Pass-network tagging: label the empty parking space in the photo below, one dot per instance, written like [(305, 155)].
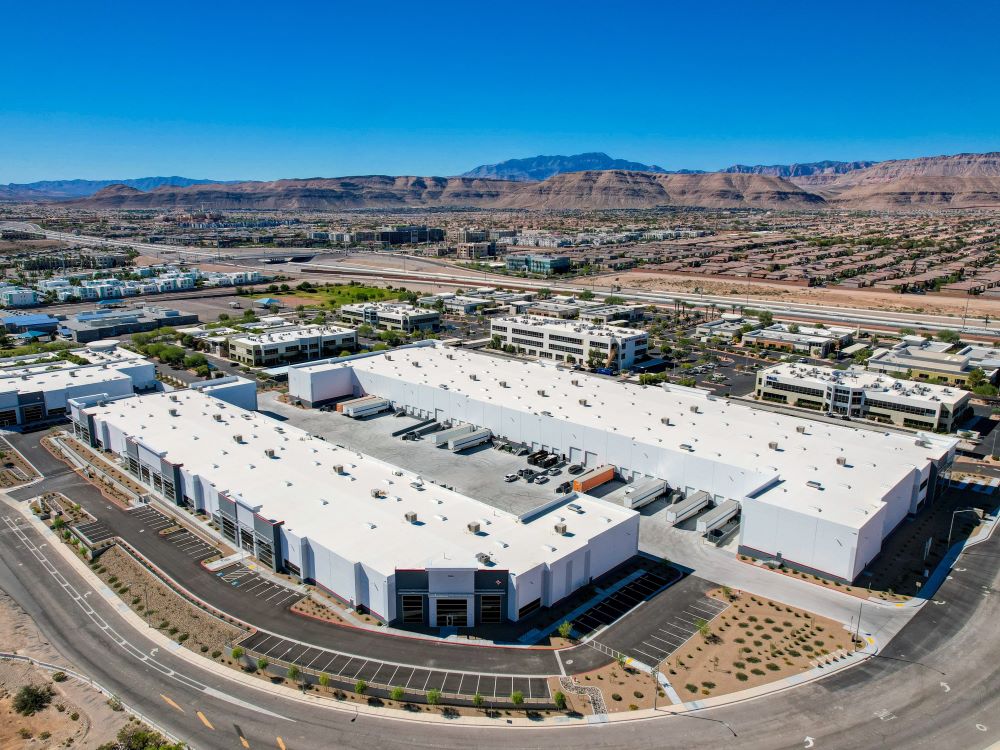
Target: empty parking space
[(376, 672), (188, 545), (618, 603), (93, 532), (662, 641), (152, 519), (259, 588)]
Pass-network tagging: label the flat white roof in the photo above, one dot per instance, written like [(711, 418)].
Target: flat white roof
[(54, 380), (872, 382), (728, 432), (558, 325), (290, 335), (298, 486)]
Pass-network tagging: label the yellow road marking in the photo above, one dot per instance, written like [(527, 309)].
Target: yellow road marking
[(205, 721), (171, 703), (281, 744)]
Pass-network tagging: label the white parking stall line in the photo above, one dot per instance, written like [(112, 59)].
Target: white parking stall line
[(393, 675), (675, 630), (276, 593), (661, 640), (650, 656), (321, 653)]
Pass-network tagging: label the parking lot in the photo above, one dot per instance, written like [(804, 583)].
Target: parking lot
[(191, 546), (654, 631), (267, 593), (621, 601), (152, 519), (93, 532), (478, 473), (375, 672)]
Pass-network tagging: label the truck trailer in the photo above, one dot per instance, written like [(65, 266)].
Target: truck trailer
[(593, 478), (444, 436), (718, 516), (367, 408), (688, 507), (470, 440), (644, 492)]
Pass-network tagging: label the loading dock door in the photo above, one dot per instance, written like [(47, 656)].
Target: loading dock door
[(575, 455), (590, 459)]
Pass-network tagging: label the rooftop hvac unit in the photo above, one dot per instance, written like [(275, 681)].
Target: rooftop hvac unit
[(574, 382), (687, 447), (541, 391), (376, 492), (483, 558), (269, 452), (694, 409), (338, 469), (801, 429), (503, 383), (450, 356), (173, 412), (583, 402), (388, 357), (666, 421), (841, 461), (772, 445), (575, 508), (237, 438), (473, 376), (560, 529), (473, 527), (410, 516), (173, 397), (814, 484), (415, 364)]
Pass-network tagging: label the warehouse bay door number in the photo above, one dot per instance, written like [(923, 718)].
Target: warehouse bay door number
[(452, 612)]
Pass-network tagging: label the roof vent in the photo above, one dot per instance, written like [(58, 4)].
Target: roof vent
[(483, 558), (582, 402), (560, 529), (388, 357), (695, 409), (218, 417), (410, 516), (503, 383), (687, 447), (801, 429), (473, 376), (376, 492), (773, 445), (338, 469), (237, 438), (473, 527), (814, 484), (574, 382), (841, 460), (173, 412), (269, 452), (541, 391), (666, 421)]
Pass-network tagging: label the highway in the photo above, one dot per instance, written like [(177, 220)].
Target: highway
[(935, 686), (448, 275)]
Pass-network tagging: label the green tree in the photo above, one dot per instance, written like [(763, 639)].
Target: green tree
[(238, 653), (31, 699), (950, 337), (517, 698), (478, 700), (324, 680), (585, 295), (433, 697), (294, 673), (565, 629), (360, 687), (559, 698), (262, 664), (397, 694)]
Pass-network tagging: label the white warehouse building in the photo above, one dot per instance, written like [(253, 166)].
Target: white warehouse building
[(820, 497), (375, 536)]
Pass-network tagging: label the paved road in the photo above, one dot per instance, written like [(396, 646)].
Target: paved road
[(896, 702)]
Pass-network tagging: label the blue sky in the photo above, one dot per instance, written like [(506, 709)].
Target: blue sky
[(266, 90)]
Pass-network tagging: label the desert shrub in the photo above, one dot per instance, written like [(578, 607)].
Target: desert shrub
[(741, 677), (31, 699)]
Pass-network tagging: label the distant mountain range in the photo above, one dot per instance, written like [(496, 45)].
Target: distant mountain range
[(68, 189), (937, 182), (542, 167)]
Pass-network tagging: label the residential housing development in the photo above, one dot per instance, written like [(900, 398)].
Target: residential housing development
[(820, 497), (375, 536), (569, 340), (857, 392)]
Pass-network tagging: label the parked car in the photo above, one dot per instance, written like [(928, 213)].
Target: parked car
[(541, 479), (510, 478), (575, 469), (554, 471)]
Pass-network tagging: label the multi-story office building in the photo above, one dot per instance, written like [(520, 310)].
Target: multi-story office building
[(15, 296), (543, 264), (391, 316), (475, 250), (814, 341), (375, 536), (929, 361), (284, 346), (572, 341), (458, 304), (856, 392)]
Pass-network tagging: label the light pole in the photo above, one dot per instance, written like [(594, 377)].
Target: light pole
[(951, 525)]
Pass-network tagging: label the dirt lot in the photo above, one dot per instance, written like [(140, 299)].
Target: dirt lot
[(94, 724)]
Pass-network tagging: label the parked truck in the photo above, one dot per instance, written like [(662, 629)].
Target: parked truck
[(644, 492), (470, 440), (444, 436), (367, 408), (593, 478), (688, 507), (718, 516)]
